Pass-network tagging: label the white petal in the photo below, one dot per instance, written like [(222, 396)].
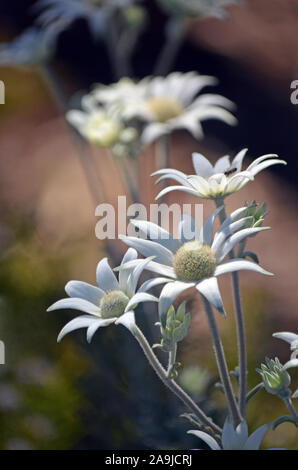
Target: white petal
[(148, 248), (290, 364), (202, 165), (209, 289), (231, 218), (187, 229), (134, 276), (222, 164), (227, 433), (130, 255), (190, 122), (147, 285), (85, 291), (83, 321), (105, 277), (168, 294), (206, 232), (214, 112), (240, 436), (75, 304), (238, 159), (236, 182), (167, 190), (209, 440), (157, 234), (76, 118), (171, 174), (255, 439), (153, 131), (151, 266), (286, 336), (138, 298), (222, 234), (236, 238), (256, 169), (261, 159), (239, 264), (100, 323), (127, 320), (199, 184)]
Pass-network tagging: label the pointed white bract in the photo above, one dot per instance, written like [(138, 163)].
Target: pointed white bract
[(213, 182), (196, 258), (163, 104), (234, 439), (111, 301)]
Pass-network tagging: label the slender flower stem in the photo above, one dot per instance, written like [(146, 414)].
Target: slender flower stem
[(289, 404), (171, 384), (162, 152), (241, 341), (54, 85), (221, 363), (175, 37), (128, 179), (162, 156), (172, 359)]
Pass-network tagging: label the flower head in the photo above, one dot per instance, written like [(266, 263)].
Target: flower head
[(164, 104), (218, 181), (102, 128), (175, 329), (111, 301), (275, 378), (197, 8), (33, 47), (234, 439), (195, 258)]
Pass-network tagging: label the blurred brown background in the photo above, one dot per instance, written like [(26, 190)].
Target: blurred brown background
[(74, 396)]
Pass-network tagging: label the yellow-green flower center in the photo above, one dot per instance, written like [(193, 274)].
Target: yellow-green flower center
[(113, 304), (164, 109), (194, 262), (101, 130)]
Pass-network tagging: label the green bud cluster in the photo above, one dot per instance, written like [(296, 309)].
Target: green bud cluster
[(175, 329), (257, 214), (276, 380)]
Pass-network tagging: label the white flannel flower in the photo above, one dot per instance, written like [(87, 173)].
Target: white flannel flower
[(235, 439), (32, 47), (57, 15), (218, 181), (99, 126), (197, 8), (112, 301), (195, 258), (122, 97), (164, 104)]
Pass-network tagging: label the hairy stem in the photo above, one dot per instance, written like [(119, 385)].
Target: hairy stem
[(241, 341), (171, 384), (221, 363), (172, 359), (289, 404), (175, 36)]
